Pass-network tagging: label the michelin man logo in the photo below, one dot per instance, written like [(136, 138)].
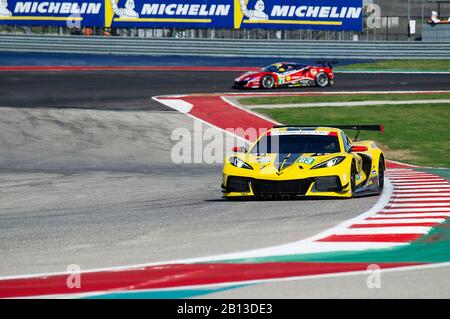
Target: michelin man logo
[(256, 14), (126, 13), (4, 12)]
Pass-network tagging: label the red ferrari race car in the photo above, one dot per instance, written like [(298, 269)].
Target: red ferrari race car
[(286, 74)]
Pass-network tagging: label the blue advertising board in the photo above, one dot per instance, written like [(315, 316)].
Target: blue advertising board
[(68, 13), (240, 14), (299, 14), (237, 14), (172, 13)]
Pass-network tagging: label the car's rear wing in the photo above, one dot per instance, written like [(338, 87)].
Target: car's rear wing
[(326, 63), (358, 128), (378, 128)]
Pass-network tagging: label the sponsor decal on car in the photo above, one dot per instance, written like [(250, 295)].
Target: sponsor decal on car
[(306, 160)]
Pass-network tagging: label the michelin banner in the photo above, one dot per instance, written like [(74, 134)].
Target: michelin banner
[(299, 14), (173, 13), (237, 14), (68, 13)]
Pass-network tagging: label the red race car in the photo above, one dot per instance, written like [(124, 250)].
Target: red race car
[(286, 74)]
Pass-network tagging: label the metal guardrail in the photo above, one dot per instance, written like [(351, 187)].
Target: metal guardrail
[(226, 47)]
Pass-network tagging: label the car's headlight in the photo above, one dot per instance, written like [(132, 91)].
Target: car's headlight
[(236, 161), (246, 79), (330, 163)]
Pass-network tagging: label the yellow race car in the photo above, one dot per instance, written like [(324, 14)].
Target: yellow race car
[(313, 160)]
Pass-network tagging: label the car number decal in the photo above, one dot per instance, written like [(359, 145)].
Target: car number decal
[(263, 160), (306, 160)]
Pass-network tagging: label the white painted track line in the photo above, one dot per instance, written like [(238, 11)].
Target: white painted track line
[(437, 190), (412, 215), (402, 220), (417, 200), (417, 179), (384, 230), (425, 196), (411, 175), (415, 205), (440, 187), (348, 104), (424, 210), (423, 184)]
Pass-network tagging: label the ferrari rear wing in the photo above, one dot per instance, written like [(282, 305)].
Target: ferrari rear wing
[(326, 63), (378, 128)]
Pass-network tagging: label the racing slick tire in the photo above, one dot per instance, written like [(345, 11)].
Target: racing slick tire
[(381, 176), (267, 82), (353, 179), (322, 80)]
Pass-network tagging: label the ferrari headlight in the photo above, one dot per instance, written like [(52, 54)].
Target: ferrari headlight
[(236, 161), (330, 163)]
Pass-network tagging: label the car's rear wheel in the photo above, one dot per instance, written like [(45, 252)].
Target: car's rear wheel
[(268, 82), (380, 176), (353, 179), (322, 79)]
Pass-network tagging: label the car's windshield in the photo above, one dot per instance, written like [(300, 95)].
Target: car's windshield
[(271, 68), (288, 67), (285, 144)]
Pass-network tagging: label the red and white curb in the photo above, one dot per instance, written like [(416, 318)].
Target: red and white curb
[(407, 216)]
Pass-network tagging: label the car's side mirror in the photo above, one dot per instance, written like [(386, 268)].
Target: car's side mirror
[(358, 148), (239, 149)]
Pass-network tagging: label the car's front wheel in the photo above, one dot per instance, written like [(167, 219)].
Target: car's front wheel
[(268, 82), (322, 79)]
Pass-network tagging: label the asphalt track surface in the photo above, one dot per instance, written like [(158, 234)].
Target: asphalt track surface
[(86, 178), (131, 90)]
